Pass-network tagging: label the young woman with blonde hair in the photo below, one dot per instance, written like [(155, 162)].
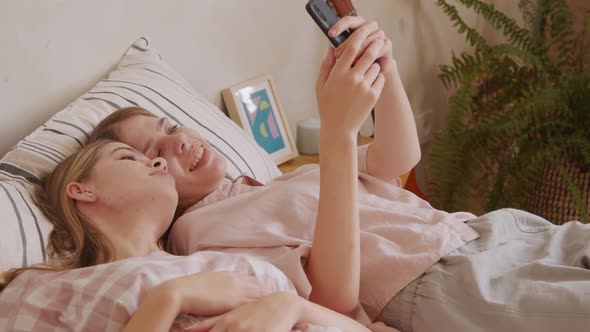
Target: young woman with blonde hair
[(110, 207)]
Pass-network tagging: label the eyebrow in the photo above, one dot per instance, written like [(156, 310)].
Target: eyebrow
[(124, 148), (150, 140)]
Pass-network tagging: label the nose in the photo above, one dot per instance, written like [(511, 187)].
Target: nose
[(158, 163), (175, 143)]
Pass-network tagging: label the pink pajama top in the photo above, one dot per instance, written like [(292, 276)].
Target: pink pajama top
[(401, 235)]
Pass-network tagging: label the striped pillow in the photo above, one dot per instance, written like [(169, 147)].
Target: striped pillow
[(143, 79)]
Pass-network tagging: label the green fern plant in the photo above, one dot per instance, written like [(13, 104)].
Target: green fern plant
[(517, 107)]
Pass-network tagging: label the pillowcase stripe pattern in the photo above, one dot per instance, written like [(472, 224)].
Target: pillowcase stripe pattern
[(150, 103), (185, 117), (142, 79), (270, 172), (161, 70), (27, 224)]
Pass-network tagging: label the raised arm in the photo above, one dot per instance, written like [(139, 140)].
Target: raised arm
[(396, 148), (346, 94)]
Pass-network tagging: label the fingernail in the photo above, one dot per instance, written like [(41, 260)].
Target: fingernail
[(332, 33)]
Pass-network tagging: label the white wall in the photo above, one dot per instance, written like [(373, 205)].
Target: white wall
[(54, 50)]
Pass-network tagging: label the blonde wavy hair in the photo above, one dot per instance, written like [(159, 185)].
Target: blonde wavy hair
[(74, 241)]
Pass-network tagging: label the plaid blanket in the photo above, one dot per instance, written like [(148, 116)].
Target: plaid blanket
[(104, 297)]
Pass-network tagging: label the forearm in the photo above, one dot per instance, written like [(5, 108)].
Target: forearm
[(396, 148), (156, 312), (333, 267), (311, 313)]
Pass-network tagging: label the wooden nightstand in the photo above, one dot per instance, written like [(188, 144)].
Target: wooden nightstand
[(304, 159)]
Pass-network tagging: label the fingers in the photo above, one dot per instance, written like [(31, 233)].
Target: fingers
[(372, 73), (257, 291), (369, 57), (355, 41), (372, 29), (377, 86), (347, 22), (254, 289), (374, 35), (204, 325), (326, 67)]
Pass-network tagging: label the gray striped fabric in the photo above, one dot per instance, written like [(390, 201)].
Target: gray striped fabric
[(143, 79)]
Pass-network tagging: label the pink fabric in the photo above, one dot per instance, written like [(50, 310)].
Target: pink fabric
[(401, 234), (104, 297)]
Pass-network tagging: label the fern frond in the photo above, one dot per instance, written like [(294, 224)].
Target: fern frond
[(533, 19), (564, 41), (523, 113), (574, 192), (462, 67), (472, 36), (529, 12), (471, 65), (517, 177), (446, 156), (516, 35), (461, 105), (449, 156)]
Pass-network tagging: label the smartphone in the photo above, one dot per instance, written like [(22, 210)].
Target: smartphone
[(325, 18)]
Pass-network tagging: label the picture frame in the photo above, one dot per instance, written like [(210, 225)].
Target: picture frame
[(254, 105)]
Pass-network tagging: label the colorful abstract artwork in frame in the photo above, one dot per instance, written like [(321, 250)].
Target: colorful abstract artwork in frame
[(255, 107), (261, 119)]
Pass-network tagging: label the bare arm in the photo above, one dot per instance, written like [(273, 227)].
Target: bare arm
[(311, 313), (396, 148), (278, 312), (346, 94), (334, 262), (205, 293), (156, 313)]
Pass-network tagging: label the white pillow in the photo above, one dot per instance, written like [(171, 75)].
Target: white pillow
[(142, 78)]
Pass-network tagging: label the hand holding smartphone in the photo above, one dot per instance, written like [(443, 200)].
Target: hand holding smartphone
[(325, 18)]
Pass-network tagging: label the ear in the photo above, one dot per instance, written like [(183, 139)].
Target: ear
[(78, 191)]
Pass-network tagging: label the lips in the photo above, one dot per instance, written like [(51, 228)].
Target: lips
[(160, 172), (198, 159)]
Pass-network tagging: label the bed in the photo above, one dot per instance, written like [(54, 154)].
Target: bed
[(138, 75), (141, 78)]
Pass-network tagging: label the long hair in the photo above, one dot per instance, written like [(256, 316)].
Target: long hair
[(107, 128), (74, 241)]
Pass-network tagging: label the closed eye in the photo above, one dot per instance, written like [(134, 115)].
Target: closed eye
[(172, 129)]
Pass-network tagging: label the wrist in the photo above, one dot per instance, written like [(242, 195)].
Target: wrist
[(297, 305), (335, 136), (292, 306), (166, 295), (390, 70)]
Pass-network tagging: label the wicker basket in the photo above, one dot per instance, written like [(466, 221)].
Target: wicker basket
[(551, 198)]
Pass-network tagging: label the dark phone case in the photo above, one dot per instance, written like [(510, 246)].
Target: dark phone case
[(325, 18)]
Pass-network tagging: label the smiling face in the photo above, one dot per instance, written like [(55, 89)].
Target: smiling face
[(197, 168)]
